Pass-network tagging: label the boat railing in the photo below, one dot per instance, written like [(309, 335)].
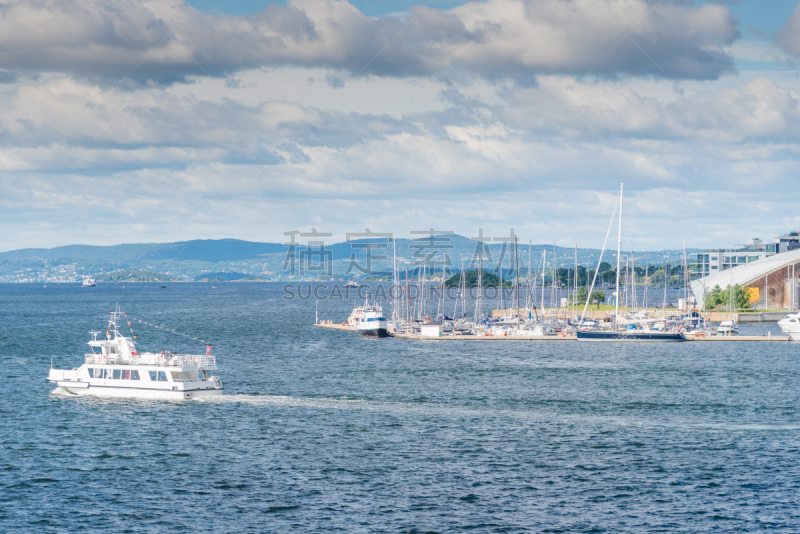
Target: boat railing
[(157, 359)]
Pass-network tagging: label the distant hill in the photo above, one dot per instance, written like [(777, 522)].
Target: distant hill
[(235, 259), (210, 250), (220, 277)]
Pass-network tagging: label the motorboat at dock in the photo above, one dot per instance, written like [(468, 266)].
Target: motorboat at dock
[(370, 321), (791, 325), (114, 368)]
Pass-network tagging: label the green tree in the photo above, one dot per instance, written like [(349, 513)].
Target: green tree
[(580, 298), (741, 297), (487, 280), (718, 297), (598, 297), (713, 298)]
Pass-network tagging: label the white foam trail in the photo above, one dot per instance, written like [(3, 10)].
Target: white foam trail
[(287, 400)]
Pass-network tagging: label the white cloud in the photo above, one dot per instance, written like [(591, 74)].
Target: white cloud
[(497, 38)]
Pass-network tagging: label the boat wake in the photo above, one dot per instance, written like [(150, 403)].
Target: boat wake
[(61, 392), (320, 402)]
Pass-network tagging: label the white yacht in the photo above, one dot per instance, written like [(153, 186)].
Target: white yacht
[(728, 327), (351, 283), (114, 368), (89, 282), (372, 322), (791, 325)]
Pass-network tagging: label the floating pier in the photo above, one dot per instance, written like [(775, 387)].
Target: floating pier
[(571, 337), (739, 338), (336, 326)]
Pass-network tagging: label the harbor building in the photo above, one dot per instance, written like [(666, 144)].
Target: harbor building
[(712, 261), (772, 279)]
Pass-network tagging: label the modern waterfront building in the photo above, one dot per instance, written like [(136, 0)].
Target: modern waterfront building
[(713, 261), (773, 279)]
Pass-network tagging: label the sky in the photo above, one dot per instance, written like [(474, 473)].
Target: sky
[(156, 121)]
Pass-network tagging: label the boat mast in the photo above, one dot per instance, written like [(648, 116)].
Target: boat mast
[(408, 300), (686, 278), (575, 292), (528, 279), (478, 306), (553, 301), (634, 299), (394, 279), (544, 266), (664, 303), (569, 285), (619, 252), (516, 269), (730, 290), (502, 305)]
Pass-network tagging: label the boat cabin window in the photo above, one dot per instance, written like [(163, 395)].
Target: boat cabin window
[(126, 374), (97, 350), (153, 376), (117, 374), (185, 375), (162, 376), (134, 375), (91, 372)]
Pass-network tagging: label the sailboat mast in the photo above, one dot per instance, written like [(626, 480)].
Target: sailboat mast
[(516, 270), (553, 301), (619, 253), (394, 280), (575, 292), (635, 298), (502, 304), (544, 266), (664, 304)]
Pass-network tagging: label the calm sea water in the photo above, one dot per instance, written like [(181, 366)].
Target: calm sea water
[(321, 431)]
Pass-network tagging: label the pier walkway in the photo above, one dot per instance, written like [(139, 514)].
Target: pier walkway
[(731, 339)]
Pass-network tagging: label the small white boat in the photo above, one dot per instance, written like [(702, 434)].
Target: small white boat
[(728, 327), (791, 325), (115, 369), (88, 281), (351, 283)]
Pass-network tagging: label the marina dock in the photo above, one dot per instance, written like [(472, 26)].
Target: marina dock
[(719, 339), (336, 326), (740, 338)]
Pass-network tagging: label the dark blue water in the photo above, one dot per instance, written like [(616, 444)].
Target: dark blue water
[(321, 431)]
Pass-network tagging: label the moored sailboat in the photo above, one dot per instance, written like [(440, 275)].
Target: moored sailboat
[(634, 330)]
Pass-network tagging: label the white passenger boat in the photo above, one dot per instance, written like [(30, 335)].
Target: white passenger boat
[(114, 368), (372, 322), (89, 282)]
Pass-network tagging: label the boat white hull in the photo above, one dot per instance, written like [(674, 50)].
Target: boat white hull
[(84, 389)]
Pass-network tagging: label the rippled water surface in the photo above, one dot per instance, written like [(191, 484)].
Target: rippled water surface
[(321, 431)]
